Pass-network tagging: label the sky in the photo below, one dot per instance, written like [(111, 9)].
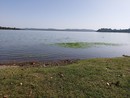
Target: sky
[(75, 14)]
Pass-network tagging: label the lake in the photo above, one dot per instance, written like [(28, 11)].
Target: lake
[(29, 45)]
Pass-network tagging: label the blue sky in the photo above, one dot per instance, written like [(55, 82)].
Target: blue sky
[(89, 14)]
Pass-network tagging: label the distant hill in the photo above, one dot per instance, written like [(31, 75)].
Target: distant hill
[(113, 30), (52, 29)]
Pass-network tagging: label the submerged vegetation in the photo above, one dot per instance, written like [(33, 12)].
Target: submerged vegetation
[(84, 44), (93, 78)]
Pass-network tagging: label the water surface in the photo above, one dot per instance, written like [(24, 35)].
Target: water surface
[(25, 45)]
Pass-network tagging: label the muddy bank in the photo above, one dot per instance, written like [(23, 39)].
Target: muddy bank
[(41, 64)]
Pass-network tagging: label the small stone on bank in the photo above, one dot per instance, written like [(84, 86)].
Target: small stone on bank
[(21, 84), (108, 84)]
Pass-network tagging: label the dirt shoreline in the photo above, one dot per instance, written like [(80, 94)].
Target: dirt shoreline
[(43, 63), (39, 63)]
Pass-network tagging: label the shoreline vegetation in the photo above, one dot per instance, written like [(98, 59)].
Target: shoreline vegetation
[(113, 30), (95, 78), (9, 28)]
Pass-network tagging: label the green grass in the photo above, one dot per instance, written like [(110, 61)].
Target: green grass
[(93, 78), (84, 44)]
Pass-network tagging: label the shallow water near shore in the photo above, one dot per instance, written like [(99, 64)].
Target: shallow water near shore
[(27, 45)]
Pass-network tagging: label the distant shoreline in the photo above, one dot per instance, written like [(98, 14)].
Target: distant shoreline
[(109, 30), (75, 30), (48, 29)]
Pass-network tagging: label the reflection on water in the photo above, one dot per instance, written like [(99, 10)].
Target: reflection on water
[(37, 45)]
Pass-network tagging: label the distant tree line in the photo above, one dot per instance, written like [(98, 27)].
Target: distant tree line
[(113, 30), (9, 28)]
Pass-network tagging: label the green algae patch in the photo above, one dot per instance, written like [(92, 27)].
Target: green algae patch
[(84, 44)]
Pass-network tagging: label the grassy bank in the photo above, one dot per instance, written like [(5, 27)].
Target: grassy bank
[(93, 78)]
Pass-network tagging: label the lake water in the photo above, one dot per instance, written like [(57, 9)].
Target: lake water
[(26, 45)]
